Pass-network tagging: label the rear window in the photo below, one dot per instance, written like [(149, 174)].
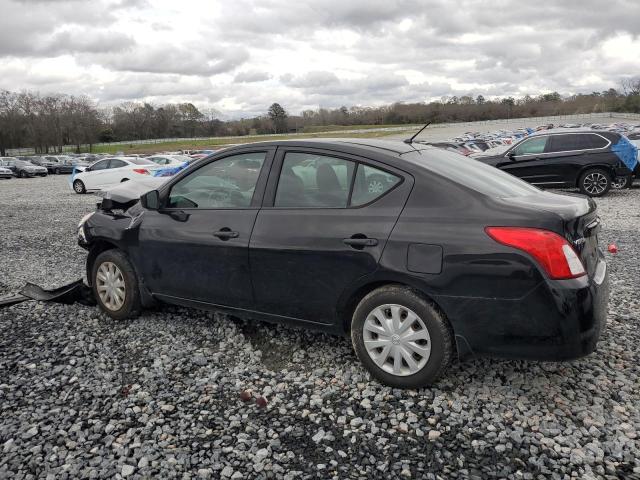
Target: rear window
[(474, 174)]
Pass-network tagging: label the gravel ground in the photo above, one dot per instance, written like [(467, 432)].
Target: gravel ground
[(82, 396)]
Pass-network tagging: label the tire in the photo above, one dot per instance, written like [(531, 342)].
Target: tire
[(22, 174), (57, 171), (439, 337), (595, 182), (620, 183), (110, 265), (78, 187)]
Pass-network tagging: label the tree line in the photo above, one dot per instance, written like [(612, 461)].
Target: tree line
[(49, 122)]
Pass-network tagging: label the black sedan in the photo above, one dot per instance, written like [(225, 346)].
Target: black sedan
[(593, 161), (418, 254)]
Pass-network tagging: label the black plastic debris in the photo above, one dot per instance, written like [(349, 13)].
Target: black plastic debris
[(75, 292)]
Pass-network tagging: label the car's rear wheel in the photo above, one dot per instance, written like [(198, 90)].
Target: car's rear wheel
[(57, 171), (401, 338), (79, 187), (22, 174), (595, 182), (620, 183), (115, 285)]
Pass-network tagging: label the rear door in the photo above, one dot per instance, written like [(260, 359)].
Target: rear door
[(566, 154), (324, 223), (116, 172), (196, 247)]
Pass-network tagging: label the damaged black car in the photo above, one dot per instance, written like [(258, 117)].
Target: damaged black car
[(417, 254)]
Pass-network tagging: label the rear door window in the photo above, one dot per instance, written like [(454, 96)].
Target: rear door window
[(115, 163), (569, 142), (314, 181), (531, 146)]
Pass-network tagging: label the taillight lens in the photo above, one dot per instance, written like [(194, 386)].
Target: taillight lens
[(142, 171), (552, 251)]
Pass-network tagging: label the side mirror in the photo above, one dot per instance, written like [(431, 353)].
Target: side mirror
[(150, 200), (512, 156)]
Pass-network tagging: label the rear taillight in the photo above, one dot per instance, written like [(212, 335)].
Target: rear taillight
[(142, 171), (553, 252)]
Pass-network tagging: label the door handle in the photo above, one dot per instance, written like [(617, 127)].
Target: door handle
[(225, 234), (360, 242)]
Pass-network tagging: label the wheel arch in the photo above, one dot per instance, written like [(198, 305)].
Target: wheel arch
[(597, 166), (96, 249), (353, 298)]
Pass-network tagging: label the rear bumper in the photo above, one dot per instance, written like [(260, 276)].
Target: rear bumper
[(558, 320)]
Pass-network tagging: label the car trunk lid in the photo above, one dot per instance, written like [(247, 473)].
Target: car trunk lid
[(580, 222)]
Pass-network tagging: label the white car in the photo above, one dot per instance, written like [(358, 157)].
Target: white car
[(169, 160), (112, 171)]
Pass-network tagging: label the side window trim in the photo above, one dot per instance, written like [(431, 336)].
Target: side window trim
[(258, 192), (278, 162)]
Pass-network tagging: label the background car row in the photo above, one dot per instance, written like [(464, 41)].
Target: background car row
[(42, 165), (591, 157)]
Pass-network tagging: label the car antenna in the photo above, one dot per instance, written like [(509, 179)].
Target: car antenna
[(410, 140)]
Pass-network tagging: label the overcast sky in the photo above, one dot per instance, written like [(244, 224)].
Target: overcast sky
[(240, 56)]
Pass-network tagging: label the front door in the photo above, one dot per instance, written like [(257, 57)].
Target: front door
[(196, 247), (324, 224), (526, 161)]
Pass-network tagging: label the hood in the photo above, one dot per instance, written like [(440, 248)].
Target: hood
[(130, 192)]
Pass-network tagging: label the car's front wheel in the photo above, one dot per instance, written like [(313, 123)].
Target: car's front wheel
[(79, 187), (115, 285), (401, 338), (595, 182)]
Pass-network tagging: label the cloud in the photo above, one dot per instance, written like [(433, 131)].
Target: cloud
[(251, 76), (244, 55)]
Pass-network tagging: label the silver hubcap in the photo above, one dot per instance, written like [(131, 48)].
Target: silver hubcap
[(376, 187), (595, 183), (397, 340), (110, 285), (619, 183), (78, 186)]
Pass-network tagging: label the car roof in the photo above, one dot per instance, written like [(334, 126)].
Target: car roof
[(387, 147), (564, 130)]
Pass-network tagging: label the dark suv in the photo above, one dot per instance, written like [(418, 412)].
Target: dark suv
[(416, 253), (592, 161)]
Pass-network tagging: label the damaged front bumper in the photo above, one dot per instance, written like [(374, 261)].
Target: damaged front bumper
[(74, 292)]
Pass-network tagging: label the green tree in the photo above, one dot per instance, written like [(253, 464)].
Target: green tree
[(278, 116)]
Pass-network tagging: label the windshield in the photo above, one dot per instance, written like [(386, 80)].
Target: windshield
[(473, 174)]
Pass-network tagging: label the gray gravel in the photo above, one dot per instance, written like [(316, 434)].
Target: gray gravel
[(82, 396)]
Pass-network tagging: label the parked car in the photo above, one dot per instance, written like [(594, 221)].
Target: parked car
[(6, 172), (111, 171), (449, 258), (22, 168), (587, 159), (634, 137), (58, 164), (170, 160)]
